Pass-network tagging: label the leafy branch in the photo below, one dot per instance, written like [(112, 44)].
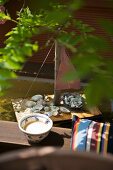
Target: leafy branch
[(86, 48)]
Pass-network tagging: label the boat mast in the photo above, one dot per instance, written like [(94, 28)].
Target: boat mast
[(57, 92)]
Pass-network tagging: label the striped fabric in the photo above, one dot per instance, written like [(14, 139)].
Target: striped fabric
[(88, 135)]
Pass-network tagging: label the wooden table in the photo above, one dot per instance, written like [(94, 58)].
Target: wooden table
[(12, 138)]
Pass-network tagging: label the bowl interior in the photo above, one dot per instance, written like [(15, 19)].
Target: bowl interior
[(35, 124)]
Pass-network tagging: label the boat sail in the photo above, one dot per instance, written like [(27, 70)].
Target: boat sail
[(62, 66)]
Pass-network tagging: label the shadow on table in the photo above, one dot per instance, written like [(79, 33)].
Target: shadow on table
[(53, 139)]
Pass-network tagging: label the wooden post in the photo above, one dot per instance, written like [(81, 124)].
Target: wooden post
[(57, 63)]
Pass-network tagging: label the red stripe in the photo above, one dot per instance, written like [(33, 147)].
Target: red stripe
[(94, 139), (75, 131)]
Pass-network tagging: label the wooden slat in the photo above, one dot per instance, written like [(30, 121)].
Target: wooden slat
[(10, 134), (52, 159)]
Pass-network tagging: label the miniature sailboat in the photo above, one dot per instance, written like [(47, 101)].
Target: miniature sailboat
[(62, 66)]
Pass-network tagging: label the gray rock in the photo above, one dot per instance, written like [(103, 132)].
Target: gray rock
[(36, 97), (64, 110), (40, 101), (47, 109), (54, 108), (30, 104), (54, 112), (37, 107), (49, 114)]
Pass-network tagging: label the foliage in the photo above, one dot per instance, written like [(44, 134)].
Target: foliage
[(87, 49), (3, 2)]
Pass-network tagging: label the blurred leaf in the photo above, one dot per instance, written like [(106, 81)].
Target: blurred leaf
[(7, 74), (3, 16), (69, 40), (107, 25), (4, 85), (55, 16), (86, 63), (70, 76), (109, 66), (35, 5), (82, 27), (10, 64), (35, 47), (76, 4), (97, 90), (3, 2), (93, 44)]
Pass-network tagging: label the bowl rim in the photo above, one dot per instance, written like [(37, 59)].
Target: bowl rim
[(31, 115)]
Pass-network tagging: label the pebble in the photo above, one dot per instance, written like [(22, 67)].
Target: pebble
[(54, 112), (40, 102), (65, 110), (54, 108), (36, 97), (30, 104), (47, 109), (37, 107), (49, 114)]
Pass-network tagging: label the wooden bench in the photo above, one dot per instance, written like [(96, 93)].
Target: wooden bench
[(12, 138)]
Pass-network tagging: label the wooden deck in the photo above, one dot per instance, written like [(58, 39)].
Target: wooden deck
[(12, 138)]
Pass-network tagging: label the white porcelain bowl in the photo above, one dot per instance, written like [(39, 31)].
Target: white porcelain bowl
[(35, 126)]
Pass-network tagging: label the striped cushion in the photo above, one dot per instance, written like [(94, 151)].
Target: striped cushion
[(88, 135)]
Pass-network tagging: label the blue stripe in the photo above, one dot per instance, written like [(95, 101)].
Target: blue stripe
[(82, 134)]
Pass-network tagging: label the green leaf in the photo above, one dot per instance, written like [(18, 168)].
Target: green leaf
[(55, 16), (10, 64), (82, 27), (35, 47), (107, 25), (3, 2), (109, 66), (3, 16), (86, 64), (98, 89), (69, 40), (6, 74), (70, 76), (76, 4), (92, 45), (4, 85), (35, 5)]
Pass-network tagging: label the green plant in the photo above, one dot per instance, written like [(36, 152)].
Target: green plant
[(43, 17)]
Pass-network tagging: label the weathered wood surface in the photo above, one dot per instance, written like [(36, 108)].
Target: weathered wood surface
[(10, 134), (54, 159)]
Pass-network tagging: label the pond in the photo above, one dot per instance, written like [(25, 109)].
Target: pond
[(19, 89)]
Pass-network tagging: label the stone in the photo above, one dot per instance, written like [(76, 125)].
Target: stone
[(54, 112), (47, 109), (49, 114), (64, 110), (36, 97), (37, 107), (30, 104), (54, 108), (40, 102), (74, 100)]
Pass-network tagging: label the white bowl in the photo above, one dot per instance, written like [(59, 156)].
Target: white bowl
[(35, 126)]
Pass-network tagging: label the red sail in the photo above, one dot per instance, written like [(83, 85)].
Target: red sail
[(64, 67)]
